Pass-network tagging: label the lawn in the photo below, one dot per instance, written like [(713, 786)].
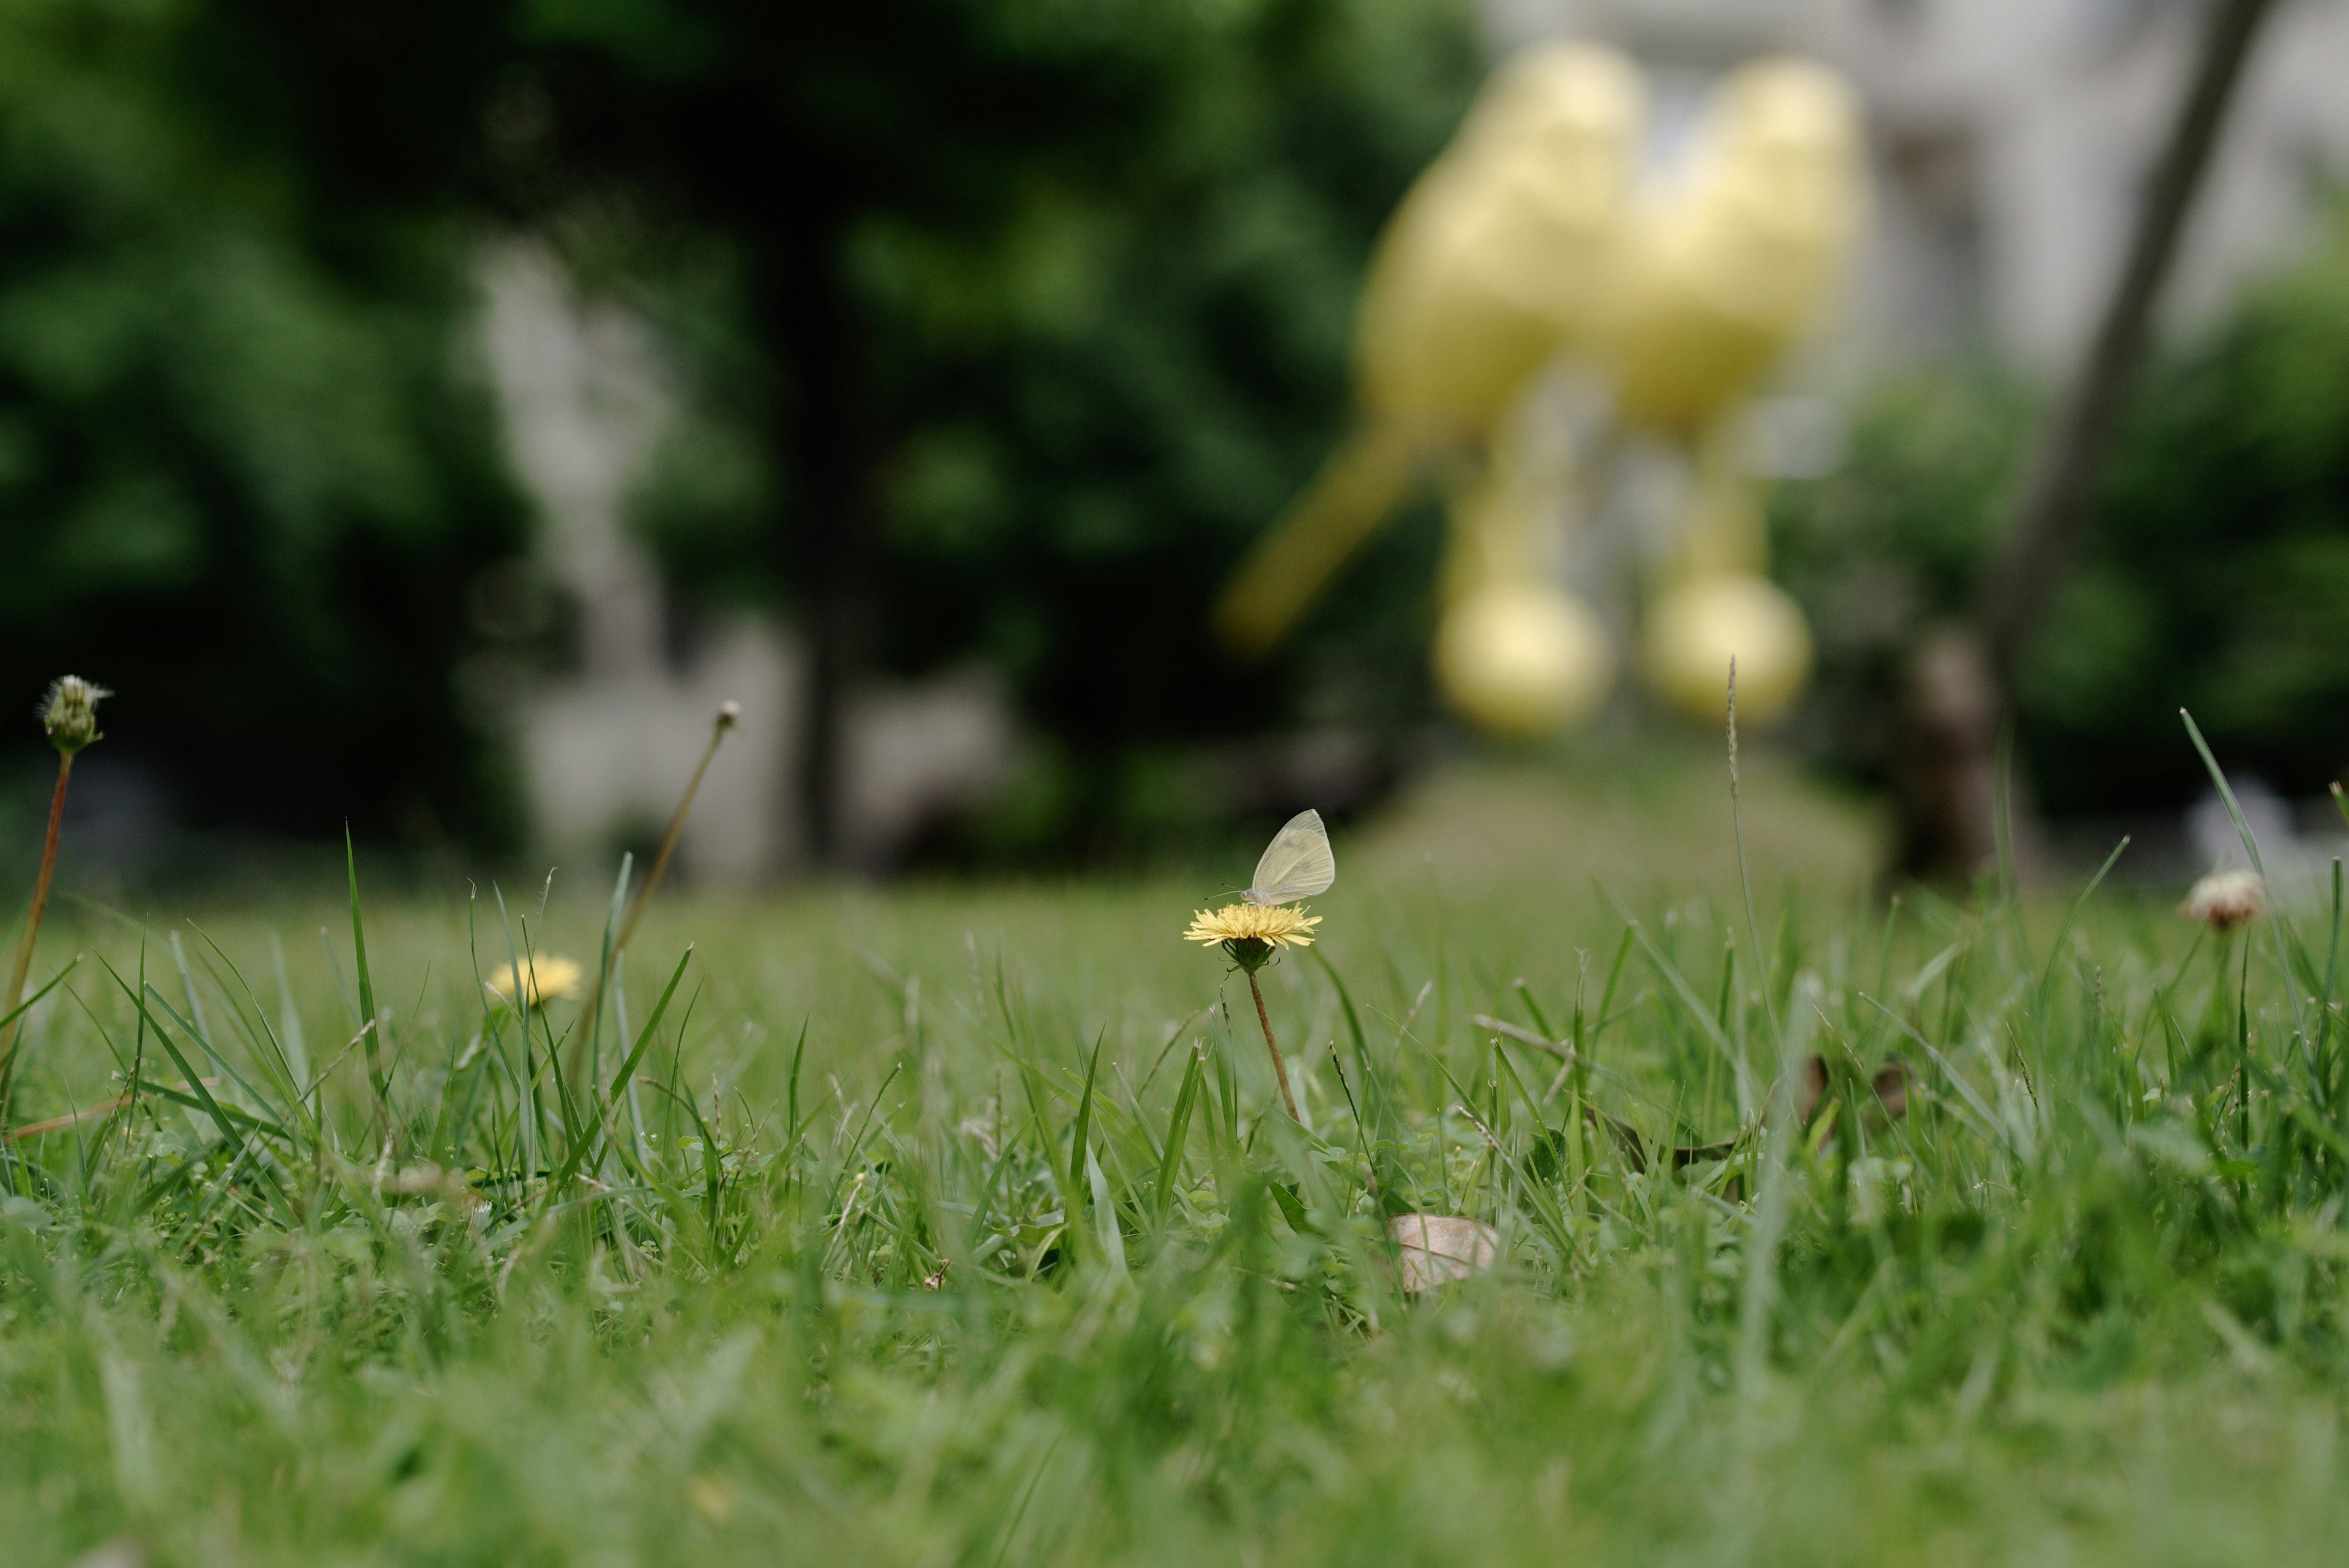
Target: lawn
[(952, 1224)]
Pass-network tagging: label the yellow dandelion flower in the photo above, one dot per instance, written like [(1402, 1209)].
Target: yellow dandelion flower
[(1296, 865), (1249, 935), (1253, 931), (544, 975)]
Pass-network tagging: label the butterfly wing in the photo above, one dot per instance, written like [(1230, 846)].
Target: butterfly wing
[(1298, 864)]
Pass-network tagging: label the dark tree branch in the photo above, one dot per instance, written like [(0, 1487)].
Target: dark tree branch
[(2047, 525), (1961, 678)]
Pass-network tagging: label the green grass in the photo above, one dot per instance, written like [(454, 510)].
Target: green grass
[(838, 1282)]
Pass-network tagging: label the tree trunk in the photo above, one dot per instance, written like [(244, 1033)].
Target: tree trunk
[(809, 320), (1946, 784)]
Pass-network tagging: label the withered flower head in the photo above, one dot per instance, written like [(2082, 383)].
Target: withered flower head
[(2225, 899), (69, 712)]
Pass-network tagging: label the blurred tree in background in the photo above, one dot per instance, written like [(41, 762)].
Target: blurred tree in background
[(244, 473), (1050, 306), (1009, 325), (2215, 577), (1894, 540)]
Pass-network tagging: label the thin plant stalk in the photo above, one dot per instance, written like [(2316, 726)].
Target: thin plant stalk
[(1745, 878), (2243, 1046), (1280, 1068), (24, 964), (69, 719), (728, 715)]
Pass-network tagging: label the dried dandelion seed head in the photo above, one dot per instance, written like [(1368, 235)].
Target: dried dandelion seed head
[(542, 976), (1250, 934), (69, 713), (2225, 899)]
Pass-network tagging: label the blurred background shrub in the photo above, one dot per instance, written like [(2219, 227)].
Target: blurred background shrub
[(246, 472), (2215, 578), (1002, 330), (1089, 277)]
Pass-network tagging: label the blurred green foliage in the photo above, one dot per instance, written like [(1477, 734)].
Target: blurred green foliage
[(2214, 577), (1893, 540), (2220, 566), (1094, 269), (1042, 309), (243, 473)]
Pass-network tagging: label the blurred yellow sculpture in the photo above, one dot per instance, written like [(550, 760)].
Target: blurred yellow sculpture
[(1716, 284), (1498, 254), (1514, 653), (1695, 628), (1524, 242), (1523, 658), (1716, 277)]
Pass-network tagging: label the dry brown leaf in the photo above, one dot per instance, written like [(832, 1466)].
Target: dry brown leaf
[(1436, 1249)]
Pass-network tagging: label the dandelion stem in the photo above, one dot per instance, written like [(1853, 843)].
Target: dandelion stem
[(1746, 881), (1280, 1068), (726, 720), (728, 715), (2243, 1044), (24, 966)]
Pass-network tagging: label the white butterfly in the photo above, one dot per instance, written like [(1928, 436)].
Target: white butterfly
[(1298, 864)]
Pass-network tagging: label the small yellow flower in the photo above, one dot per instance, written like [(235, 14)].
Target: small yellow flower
[(544, 975), (1249, 933), (2225, 899)]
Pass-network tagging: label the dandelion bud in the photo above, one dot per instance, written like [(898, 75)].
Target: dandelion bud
[(2225, 899), (728, 715), (69, 713)]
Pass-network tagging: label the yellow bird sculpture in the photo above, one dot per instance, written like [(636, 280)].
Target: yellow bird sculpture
[(1717, 275), (1496, 258), (1714, 284), (1525, 243), (1514, 653)]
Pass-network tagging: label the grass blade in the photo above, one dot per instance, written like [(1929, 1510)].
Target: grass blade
[(365, 979), (1178, 1124), (1081, 1139)]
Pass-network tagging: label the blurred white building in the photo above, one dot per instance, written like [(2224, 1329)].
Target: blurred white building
[(2011, 139)]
